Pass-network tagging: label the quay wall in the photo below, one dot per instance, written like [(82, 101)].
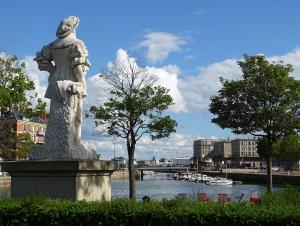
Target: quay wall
[(117, 175), (120, 175), (258, 177)]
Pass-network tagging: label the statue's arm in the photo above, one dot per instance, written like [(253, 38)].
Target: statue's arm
[(80, 64), (44, 60)]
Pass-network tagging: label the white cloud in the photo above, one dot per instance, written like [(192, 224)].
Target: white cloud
[(292, 58), (168, 77), (105, 147), (160, 44), (40, 78), (97, 91), (197, 90), (178, 145)]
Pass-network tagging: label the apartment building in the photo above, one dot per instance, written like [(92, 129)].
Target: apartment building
[(244, 153), (222, 150), (203, 149), (16, 123)]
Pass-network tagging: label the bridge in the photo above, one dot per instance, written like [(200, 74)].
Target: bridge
[(163, 169)]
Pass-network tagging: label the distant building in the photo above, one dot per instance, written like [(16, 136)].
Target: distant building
[(16, 123), (244, 153), (203, 149), (154, 161), (222, 149), (181, 161), (234, 153)]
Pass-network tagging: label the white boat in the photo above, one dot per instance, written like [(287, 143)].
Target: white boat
[(219, 182)]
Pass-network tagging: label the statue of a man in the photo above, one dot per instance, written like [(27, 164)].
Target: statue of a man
[(66, 61)]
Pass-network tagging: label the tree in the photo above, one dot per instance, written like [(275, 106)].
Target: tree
[(135, 108), (16, 146), (15, 85), (16, 94), (17, 90), (264, 103), (288, 148)]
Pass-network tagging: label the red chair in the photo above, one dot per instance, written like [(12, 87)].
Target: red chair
[(254, 197), (203, 197), (223, 198)]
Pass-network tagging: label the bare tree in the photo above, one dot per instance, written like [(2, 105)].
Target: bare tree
[(134, 108)]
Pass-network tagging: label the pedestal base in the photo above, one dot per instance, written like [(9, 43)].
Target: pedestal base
[(66, 179)]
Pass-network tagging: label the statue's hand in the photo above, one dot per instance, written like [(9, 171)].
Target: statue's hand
[(75, 88)]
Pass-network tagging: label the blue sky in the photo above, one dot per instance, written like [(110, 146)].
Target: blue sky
[(188, 43)]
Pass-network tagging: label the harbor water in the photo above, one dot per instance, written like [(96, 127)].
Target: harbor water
[(162, 186)]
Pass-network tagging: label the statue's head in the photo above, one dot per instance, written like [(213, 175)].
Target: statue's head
[(67, 26)]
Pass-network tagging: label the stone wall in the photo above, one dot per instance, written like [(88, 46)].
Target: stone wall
[(120, 175), (259, 178)]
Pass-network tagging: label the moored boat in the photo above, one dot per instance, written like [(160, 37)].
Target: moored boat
[(219, 182)]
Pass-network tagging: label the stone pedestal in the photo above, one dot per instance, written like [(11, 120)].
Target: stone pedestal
[(88, 180)]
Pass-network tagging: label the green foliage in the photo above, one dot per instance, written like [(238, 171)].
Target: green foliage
[(39, 110), (16, 94), (16, 146), (264, 103), (15, 85), (140, 112), (24, 144), (17, 90), (46, 212), (287, 148), (287, 197)]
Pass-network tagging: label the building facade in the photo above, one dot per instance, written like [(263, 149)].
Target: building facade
[(203, 149), (222, 150), (13, 124), (234, 153), (244, 153), (181, 161), (34, 129)]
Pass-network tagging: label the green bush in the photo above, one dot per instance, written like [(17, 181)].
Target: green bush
[(288, 196), (272, 210)]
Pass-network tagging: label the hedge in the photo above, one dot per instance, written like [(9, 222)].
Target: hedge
[(44, 212)]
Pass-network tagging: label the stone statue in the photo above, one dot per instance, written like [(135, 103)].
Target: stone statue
[(66, 61)]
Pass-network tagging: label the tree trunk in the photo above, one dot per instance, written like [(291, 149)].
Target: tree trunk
[(132, 194), (269, 172)]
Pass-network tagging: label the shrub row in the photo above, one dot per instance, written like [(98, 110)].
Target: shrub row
[(44, 212)]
